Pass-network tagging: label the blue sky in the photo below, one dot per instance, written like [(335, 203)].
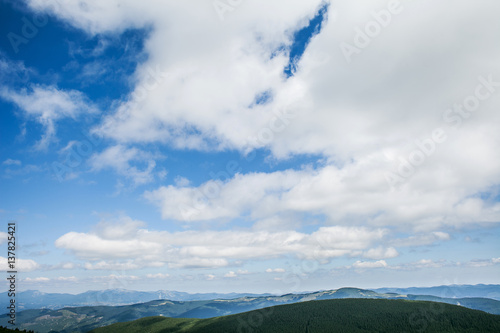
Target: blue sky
[(250, 146)]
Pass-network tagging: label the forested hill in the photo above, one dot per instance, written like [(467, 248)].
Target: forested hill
[(338, 315)]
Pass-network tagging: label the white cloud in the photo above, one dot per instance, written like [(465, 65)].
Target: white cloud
[(231, 274), (243, 45), (157, 276), (13, 71), (352, 114), (137, 248), (275, 270), (122, 227), (428, 263), (80, 244), (369, 264), (181, 181), (422, 239), (112, 279), (119, 158), (381, 253), (67, 278), (37, 279), (483, 262), (21, 265), (10, 161), (423, 263), (362, 117), (117, 266), (47, 105), (68, 265), (3, 237), (352, 194), (187, 261)]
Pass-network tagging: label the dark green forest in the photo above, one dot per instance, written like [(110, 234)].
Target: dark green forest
[(338, 315), (8, 330)]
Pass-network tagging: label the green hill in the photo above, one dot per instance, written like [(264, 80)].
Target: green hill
[(337, 315)]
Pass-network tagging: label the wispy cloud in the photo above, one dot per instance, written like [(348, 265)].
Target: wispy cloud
[(47, 105), (12, 162), (120, 158)]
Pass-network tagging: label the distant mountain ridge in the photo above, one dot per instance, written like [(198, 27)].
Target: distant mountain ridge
[(34, 299), (83, 319), (450, 291)]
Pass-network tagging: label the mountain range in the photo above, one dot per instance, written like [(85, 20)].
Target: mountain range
[(338, 315), (33, 299), (450, 291), (83, 319)]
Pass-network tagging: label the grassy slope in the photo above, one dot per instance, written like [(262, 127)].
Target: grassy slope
[(340, 315)]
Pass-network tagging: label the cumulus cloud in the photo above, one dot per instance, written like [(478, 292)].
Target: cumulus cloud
[(369, 264), (160, 276), (80, 243), (122, 227), (138, 248), (230, 274), (351, 194), (37, 279), (381, 253), (349, 113), (371, 117), (21, 265), (362, 116)]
